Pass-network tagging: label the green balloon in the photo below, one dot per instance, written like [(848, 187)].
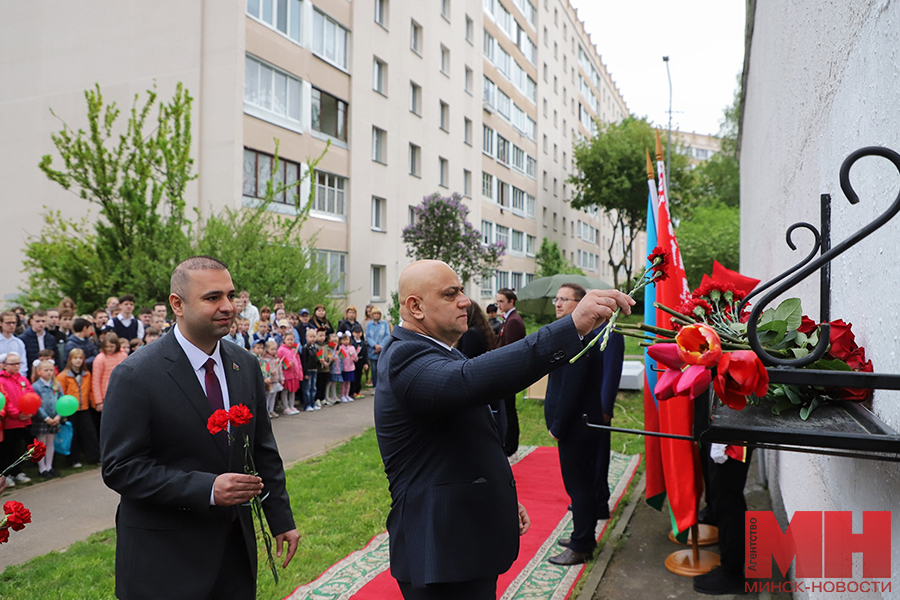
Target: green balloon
[(66, 406), (2, 401)]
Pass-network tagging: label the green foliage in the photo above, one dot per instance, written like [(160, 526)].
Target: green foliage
[(551, 260), (394, 308), (613, 177), (442, 232), (138, 180), (712, 233)]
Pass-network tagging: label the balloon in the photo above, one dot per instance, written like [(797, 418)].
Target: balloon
[(66, 406), (29, 403), (2, 401)]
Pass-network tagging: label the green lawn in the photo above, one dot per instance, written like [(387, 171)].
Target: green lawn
[(340, 501)]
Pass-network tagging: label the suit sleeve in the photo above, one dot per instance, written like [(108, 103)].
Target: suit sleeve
[(435, 382), (277, 505), (126, 446)]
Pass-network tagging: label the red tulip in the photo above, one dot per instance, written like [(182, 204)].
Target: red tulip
[(740, 374), (699, 345), (676, 380)]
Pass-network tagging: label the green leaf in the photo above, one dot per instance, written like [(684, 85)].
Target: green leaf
[(767, 317), (831, 365), (793, 394), (799, 352), (801, 339), (807, 410), (791, 312), (779, 327), (782, 406)]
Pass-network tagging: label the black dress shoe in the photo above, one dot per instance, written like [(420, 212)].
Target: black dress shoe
[(46, 474), (569, 557), (718, 583), (564, 542)]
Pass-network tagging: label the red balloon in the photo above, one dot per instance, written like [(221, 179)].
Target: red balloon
[(29, 403)]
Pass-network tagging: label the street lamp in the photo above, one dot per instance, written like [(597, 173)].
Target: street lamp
[(669, 134)]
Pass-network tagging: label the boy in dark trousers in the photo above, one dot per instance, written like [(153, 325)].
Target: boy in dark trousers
[(362, 363), (310, 362)]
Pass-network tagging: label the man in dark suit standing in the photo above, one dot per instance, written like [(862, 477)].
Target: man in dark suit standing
[(183, 528), (512, 330), (455, 520), (588, 387)]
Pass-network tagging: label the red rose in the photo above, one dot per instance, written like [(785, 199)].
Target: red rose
[(17, 516), (857, 361), (4, 535), (218, 421), (740, 374), (37, 450), (843, 342), (807, 325), (240, 414)]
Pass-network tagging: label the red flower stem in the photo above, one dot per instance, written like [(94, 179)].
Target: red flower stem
[(256, 508)]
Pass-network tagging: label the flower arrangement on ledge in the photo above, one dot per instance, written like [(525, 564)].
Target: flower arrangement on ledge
[(710, 331)]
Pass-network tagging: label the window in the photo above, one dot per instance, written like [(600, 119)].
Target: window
[(415, 160), (379, 145), (271, 94), (330, 190), (488, 46), (445, 61), (503, 150), (518, 241), (516, 280), (530, 242), (378, 207), (518, 200), (379, 76), (546, 179), (554, 221), (467, 130), (415, 98), (467, 183), (335, 264), (502, 235), (283, 15), (518, 158), (487, 185), (443, 172), (490, 91), (487, 143), (502, 279), (545, 73), (470, 29), (415, 38), (378, 282), (545, 107), (445, 116), (545, 143), (258, 172), (530, 167), (329, 115), (503, 193), (555, 148), (381, 12), (329, 40), (487, 233), (445, 9), (468, 80)]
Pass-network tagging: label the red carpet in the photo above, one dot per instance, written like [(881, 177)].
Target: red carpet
[(365, 575)]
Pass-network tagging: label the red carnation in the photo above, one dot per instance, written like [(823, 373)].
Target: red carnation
[(660, 259), (36, 451), (4, 535), (843, 342), (218, 421), (807, 325), (695, 307), (240, 414), (17, 516)]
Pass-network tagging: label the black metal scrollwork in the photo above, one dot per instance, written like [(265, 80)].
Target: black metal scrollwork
[(805, 268)]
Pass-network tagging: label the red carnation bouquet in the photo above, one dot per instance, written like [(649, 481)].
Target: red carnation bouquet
[(34, 453), (15, 517), (237, 416)]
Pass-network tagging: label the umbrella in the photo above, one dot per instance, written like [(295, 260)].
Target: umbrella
[(537, 296)]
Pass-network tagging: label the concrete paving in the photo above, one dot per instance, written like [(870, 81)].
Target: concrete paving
[(69, 509)]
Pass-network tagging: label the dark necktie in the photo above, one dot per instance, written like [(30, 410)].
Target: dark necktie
[(213, 389)]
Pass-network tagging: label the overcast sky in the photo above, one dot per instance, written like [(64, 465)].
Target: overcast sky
[(704, 40)]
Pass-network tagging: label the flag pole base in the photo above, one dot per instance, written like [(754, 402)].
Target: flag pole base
[(707, 535), (684, 563)]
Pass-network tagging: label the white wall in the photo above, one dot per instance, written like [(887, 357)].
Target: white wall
[(824, 79)]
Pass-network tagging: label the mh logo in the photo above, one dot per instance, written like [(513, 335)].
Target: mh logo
[(823, 543)]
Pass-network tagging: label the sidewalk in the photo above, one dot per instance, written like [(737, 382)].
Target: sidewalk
[(70, 509)]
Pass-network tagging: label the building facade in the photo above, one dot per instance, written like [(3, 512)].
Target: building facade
[(484, 98)]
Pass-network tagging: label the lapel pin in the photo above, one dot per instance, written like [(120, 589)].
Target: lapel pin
[(235, 367)]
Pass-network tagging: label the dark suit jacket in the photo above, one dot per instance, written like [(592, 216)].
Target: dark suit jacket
[(512, 330), (588, 387), (30, 339), (454, 513), (157, 453)]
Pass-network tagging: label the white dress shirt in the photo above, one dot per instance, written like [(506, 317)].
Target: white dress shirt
[(14, 344), (198, 358)]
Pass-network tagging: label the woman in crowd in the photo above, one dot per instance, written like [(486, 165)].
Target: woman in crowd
[(378, 332), (320, 320), (479, 337), (349, 319)]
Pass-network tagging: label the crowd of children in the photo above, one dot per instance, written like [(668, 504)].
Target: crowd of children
[(306, 364)]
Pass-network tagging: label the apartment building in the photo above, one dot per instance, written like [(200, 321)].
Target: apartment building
[(484, 98)]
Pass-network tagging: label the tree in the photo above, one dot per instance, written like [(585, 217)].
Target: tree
[(613, 176), (441, 231), (712, 233), (551, 260), (142, 233)]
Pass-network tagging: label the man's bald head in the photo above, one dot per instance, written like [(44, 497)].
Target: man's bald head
[(432, 301), (415, 279)]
